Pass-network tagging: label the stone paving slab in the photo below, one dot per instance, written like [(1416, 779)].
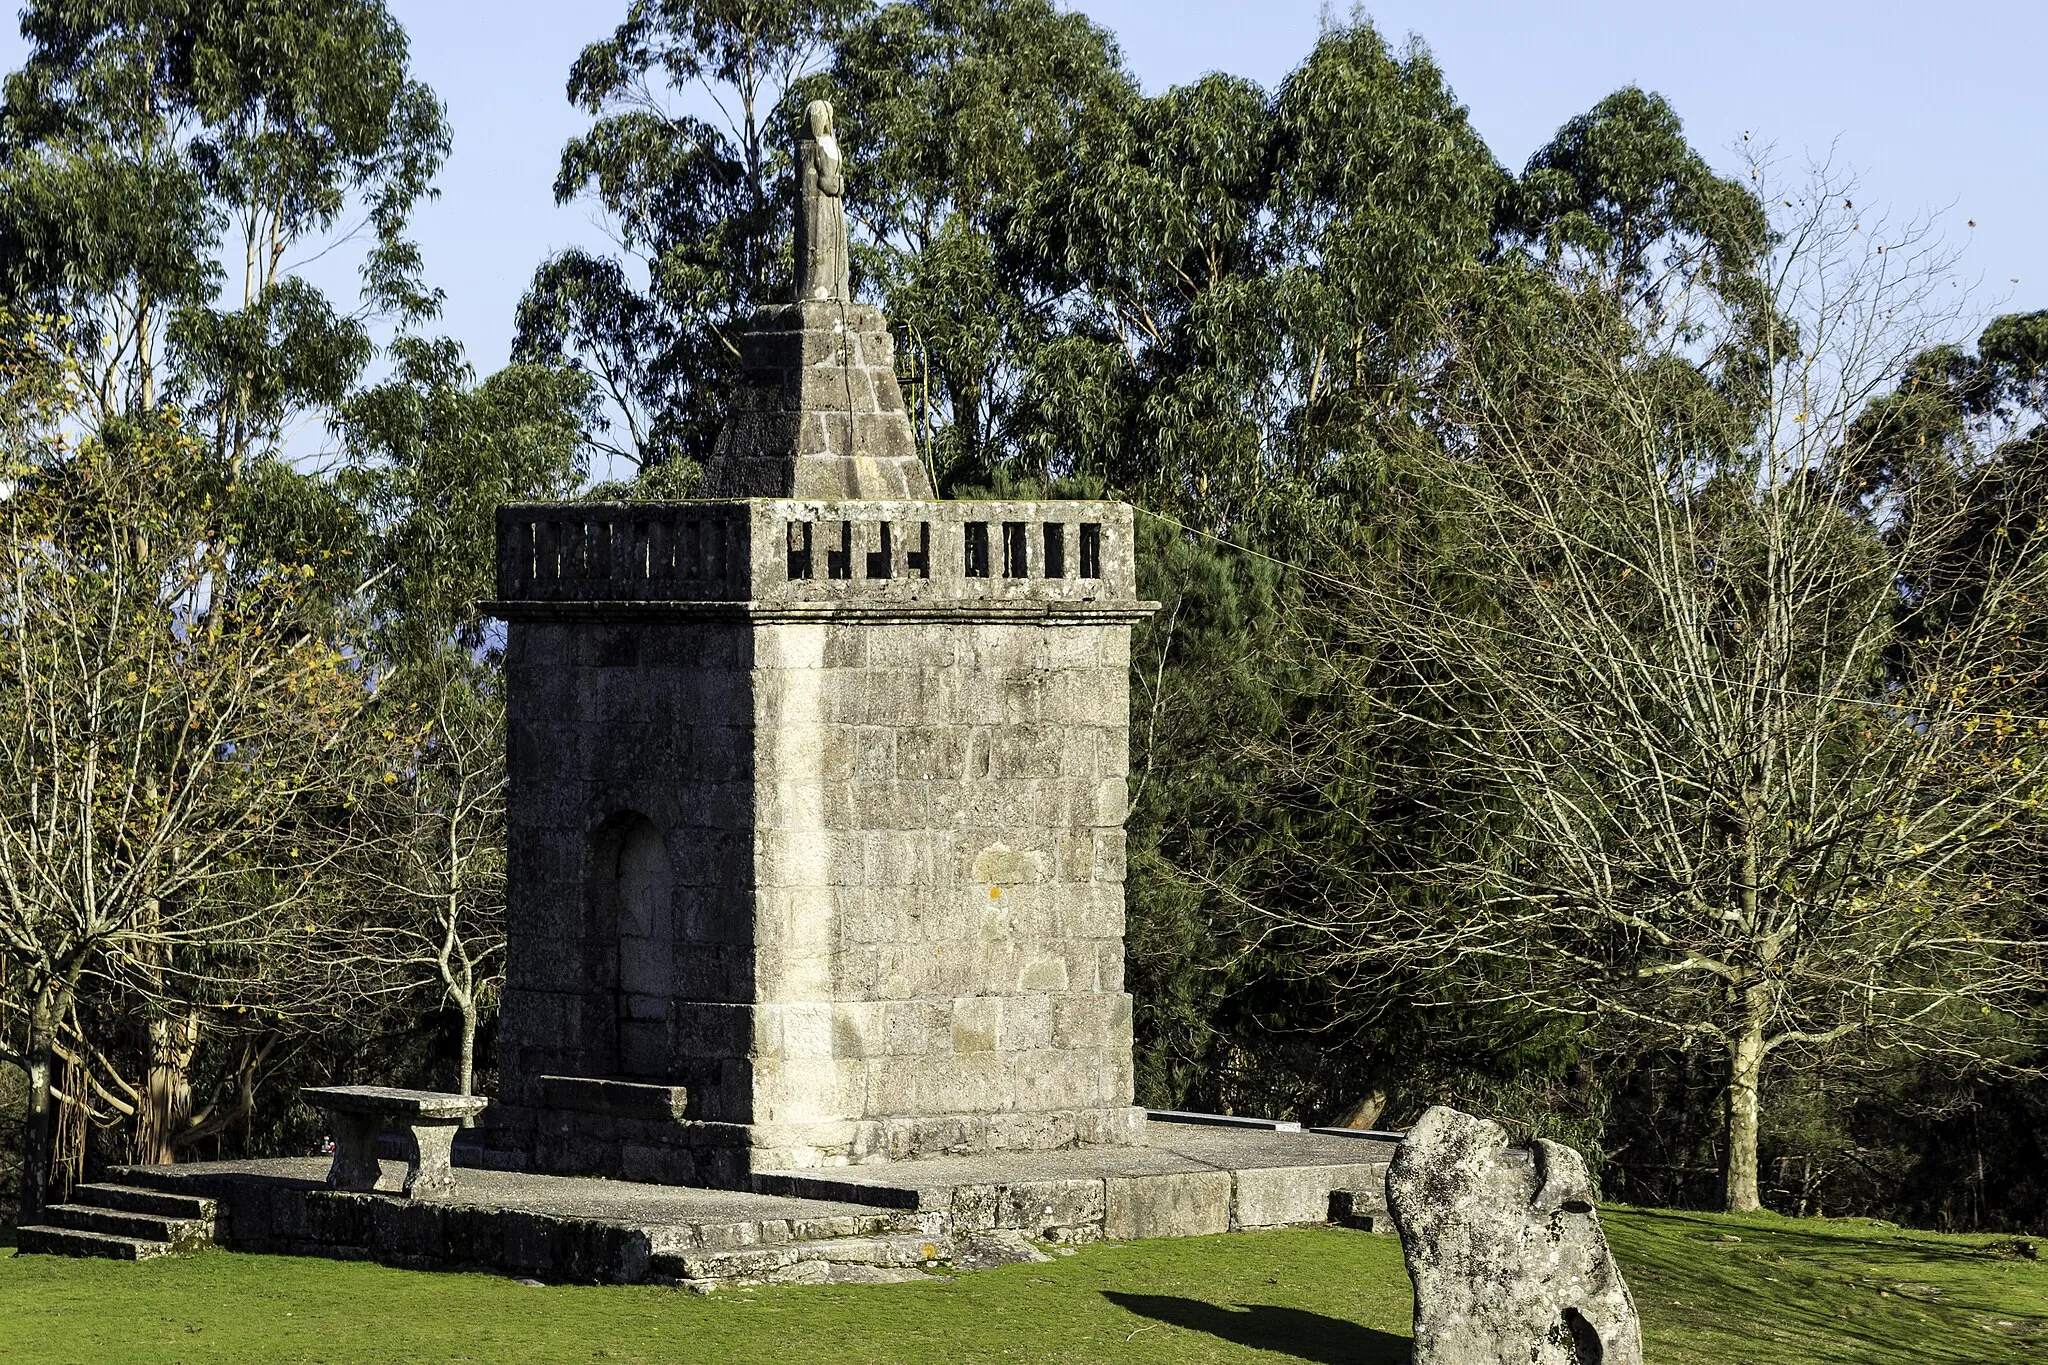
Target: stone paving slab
[(610, 1201), (1170, 1149)]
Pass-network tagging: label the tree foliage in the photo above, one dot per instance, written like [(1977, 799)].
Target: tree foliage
[(692, 203), (152, 151), (178, 742)]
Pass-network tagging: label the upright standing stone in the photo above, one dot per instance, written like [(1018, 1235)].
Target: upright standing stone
[(1509, 1263), (817, 802)]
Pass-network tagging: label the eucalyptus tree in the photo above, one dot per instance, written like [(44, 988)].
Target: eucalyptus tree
[(168, 169), (692, 202), (432, 455), (167, 172), (1260, 278)]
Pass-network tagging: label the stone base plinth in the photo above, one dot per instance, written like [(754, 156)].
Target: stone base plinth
[(884, 1220)]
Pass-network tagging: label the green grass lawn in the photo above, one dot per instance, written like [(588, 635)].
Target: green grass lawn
[(1731, 1291)]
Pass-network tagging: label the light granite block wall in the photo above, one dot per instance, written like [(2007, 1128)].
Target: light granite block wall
[(817, 814)]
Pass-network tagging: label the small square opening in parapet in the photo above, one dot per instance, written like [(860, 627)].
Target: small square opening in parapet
[(1055, 549), (1091, 549), (977, 549), (1016, 550), (919, 561), (799, 549), (882, 559)]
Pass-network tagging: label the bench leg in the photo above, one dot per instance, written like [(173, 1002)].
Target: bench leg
[(431, 1172), (355, 1150)]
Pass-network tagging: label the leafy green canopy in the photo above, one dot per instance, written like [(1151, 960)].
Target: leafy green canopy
[(692, 202), (162, 163)]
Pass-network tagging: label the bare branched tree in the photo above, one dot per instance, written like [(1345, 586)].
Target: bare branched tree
[(1732, 730), (175, 746), (433, 880)]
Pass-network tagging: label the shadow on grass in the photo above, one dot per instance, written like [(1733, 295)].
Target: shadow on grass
[(1270, 1327)]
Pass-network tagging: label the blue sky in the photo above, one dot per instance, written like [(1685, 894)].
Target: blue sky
[(1939, 107)]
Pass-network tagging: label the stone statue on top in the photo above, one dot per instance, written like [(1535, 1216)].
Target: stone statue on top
[(821, 210), (818, 412)]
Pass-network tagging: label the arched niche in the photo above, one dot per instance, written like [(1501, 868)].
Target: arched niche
[(630, 888)]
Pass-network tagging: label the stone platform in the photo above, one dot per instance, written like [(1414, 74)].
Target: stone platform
[(879, 1222), (556, 1228), (1187, 1180)]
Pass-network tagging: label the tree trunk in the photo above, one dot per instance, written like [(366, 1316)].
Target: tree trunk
[(39, 1122), (468, 1044), (1366, 1112), (166, 1107), (1744, 1107)]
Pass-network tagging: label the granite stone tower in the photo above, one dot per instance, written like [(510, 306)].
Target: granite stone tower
[(817, 791)]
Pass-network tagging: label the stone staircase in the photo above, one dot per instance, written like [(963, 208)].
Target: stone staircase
[(122, 1223)]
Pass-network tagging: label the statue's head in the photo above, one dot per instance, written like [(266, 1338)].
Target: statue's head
[(820, 115)]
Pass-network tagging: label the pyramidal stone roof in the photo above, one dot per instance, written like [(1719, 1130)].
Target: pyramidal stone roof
[(819, 413)]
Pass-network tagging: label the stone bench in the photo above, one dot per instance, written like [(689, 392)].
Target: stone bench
[(427, 1120)]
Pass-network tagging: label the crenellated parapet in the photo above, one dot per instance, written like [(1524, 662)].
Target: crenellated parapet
[(771, 554)]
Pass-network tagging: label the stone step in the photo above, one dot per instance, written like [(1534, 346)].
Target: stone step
[(168, 1179), (38, 1240), (134, 1199), (1223, 1121), (785, 1262), (182, 1233), (1365, 1210)]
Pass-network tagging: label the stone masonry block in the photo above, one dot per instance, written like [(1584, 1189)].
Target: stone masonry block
[(1095, 910), (1298, 1194), (788, 646), (976, 1024), (900, 857), (802, 856), (713, 1029), (1028, 750), (805, 1090), (1090, 1021), (1110, 857), (916, 1027), (1109, 965), (860, 1029), (1112, 803), (976, 1083), (1043, 971), (931, 751), (846, 647), (1026, 1023), (1189, 1204), (891, 1086), (1121, 1125), (1050, 1079)]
